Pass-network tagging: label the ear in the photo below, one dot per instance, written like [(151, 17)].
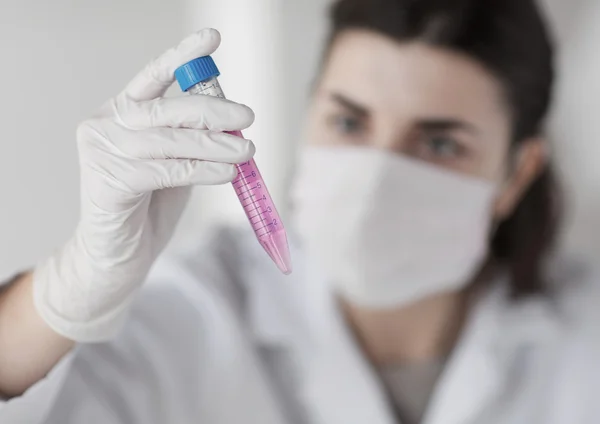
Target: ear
[(529, 161)]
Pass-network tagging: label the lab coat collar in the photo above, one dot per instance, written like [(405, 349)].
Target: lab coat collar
[(299, 313), (338, 384), (475, 375)]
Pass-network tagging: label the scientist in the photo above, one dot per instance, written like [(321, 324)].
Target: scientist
[(423, 289)]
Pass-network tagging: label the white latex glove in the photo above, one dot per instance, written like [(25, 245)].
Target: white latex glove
[(138, 157)]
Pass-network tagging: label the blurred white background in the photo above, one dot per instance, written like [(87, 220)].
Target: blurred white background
[(63, 58)]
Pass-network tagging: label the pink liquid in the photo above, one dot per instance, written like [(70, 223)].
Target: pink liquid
[(261, 212), (254, 196)]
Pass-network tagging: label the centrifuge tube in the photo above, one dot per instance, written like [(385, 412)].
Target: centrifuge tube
[(199, 76)]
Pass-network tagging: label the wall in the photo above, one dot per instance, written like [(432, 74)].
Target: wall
[(60, 60), (574, 127)]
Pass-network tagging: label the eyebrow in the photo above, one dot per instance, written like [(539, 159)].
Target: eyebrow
[(425, 124), (443, 124), (354, 107)]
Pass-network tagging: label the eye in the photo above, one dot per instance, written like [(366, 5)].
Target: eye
[(442, 146), (347, 124)]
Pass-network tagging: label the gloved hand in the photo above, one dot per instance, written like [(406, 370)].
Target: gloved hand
[(138, 157)]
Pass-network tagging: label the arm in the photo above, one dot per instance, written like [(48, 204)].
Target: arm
[(28, 347)]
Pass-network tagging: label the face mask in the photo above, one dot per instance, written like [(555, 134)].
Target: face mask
[(388, 230)]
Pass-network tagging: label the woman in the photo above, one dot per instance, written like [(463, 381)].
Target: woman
[(425, 209)]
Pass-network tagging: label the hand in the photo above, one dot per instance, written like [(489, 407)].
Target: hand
[(138, 157)]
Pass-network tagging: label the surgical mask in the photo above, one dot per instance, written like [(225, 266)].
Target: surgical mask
[(388, 230)]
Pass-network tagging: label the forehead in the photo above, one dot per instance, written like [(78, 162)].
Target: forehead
[(390, 76)]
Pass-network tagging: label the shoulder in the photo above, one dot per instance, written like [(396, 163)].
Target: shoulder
[(562, 323), (575, 369), (575, 304), (575, 292), (215, 259), (190, 299), (227, 255), (193, 282), (220, 246), (547, 346), (226, 267)]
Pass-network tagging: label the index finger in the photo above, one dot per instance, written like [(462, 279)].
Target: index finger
[(154, 80)]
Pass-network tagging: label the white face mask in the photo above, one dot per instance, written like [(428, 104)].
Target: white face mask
[(388, 230)]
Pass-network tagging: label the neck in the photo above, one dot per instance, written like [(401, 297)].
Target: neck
[(418, 332)]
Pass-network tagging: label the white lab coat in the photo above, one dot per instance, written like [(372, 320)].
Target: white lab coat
[(219, 336)]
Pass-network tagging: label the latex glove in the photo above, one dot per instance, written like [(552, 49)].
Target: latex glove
[(138, 157)]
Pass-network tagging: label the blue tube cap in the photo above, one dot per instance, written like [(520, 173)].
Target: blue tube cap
[(196, 71)]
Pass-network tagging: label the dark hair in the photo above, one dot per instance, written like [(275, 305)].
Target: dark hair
[(510, 39)]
